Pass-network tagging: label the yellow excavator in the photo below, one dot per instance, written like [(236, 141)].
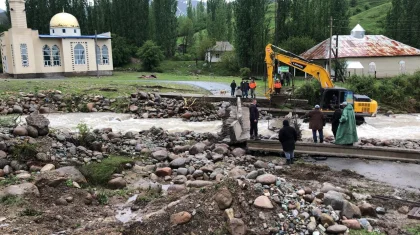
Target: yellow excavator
[(363, 105)]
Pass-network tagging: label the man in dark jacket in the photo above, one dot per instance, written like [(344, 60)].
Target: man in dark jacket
[(316, 123), (246, 89), (288, 138), (253, 120), (243, 88), (335, 120), (232, 88)]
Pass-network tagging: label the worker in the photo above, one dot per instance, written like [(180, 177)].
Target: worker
[(232, 88), (316, 123), (253, 119), (288, 138), (335, 120), (277, 87), (333, 102), (282, 79), (243, 88), (238, 92), (347, 132), (252, 87)]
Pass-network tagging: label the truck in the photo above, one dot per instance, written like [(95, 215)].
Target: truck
[(363, 105)]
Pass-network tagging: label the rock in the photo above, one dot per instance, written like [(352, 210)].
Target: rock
[(162, 172), (44, 110), (308, 198), (117, 183), (112, 135), (336, 229), (3, 146), (311, 226), (20, 131), (326, 187), (38, 121), (2, 174), (263, 202), (198, 173), (42, 157), (43, 131), (252, 175), (334, 199), (182, 171), (134, 108), (221, 149), (352, 224), (237, 227), (404, 210), (267, 179), (300, 192), (72, 173), (61, 202), (48, 167), (350, 210), (326, 219), (186, 115), (32, 131), (177, 163), (236, 173), (199, 183), (180, 218), (261, 164), (380, 210), (216, 157), (197, 148), (223, 198), (2, 155), (4, 162), (307, 190), (176, 188), (180, 179), (20, 190), (23, 176), (181, 149), (17, 109), (7, 169), (160, 155), (367, 209), (238, 152)]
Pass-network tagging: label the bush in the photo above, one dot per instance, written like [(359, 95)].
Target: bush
[(121, 51), (229, 62), (24, 151), (298, 45), (311, 91), (245, 72), (151, 55), (183, 57)]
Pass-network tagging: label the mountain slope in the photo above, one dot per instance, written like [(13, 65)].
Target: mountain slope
[(373, 19)]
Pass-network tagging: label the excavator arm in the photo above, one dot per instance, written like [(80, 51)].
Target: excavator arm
[(318, 72)]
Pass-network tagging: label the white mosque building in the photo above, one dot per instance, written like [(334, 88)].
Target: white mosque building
[(64, 52)]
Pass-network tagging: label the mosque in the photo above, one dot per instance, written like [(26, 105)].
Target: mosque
[(64, 52)]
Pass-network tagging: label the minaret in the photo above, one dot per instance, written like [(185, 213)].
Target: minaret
[(18, 14)]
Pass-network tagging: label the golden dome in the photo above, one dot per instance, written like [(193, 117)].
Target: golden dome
[(64, 20)]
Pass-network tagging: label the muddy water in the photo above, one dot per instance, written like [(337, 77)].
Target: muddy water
[(404, 126), (396, 174), (125, 122)]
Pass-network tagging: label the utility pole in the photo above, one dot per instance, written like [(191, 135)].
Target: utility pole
[(331, 33), (96, 53)]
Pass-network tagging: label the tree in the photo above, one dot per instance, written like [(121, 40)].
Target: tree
[(186, 31), (216, 21), (166, 25), (282, 15), (353, 3), (298, 45), (121, 51), (151, 55)]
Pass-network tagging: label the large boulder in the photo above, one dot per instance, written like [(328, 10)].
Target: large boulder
[(237, 173), (367, 210), (221, 149), (20, 131), (238, 152), (350, 210), (267, 179), (38, 121), (263, 202), (72, 173), (117, 183), (32, 131), (334, 199), (20, 190)]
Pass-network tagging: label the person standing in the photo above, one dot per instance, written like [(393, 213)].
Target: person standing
[(347, 132), (335, 120), (243, 88), (232, 88), (316, 123), (277, 87), (252, 87), (253, 119), (246, 89), (288, 138)]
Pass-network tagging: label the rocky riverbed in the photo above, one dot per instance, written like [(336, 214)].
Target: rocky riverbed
[(178, 183)]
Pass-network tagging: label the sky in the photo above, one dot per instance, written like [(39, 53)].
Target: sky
[(3, 4)]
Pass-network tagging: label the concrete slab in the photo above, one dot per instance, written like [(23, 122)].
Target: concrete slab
[(414, 213)]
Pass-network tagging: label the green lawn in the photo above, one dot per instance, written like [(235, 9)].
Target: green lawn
[(373, 19)]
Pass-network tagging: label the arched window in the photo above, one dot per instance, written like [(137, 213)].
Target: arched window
[(56, 55), (105, 55), (79, 54), (402, 67), (98, 54), (47, 55), (372, 67), (24, 55)]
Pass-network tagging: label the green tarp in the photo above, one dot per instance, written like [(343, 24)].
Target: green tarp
[(347, 133)]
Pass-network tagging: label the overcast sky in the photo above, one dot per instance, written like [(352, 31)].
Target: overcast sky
[(3, 4)]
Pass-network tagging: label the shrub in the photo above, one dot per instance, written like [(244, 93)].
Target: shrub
[(229, 62), (245, 72), (151, 55), (183, 57), (83, 133), (311, 91), (24, 151)]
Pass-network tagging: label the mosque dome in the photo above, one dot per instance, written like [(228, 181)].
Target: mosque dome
[(64, 20)]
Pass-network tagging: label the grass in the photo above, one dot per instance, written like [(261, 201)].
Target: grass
[(413, 230), (125, 83), (100, 173), (373, 19), (11, 200), (364, 232), (30, 212), (9, 181), (9, 120)]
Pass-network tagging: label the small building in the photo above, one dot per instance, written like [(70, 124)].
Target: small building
[(64, 52), (215, 53), (374, 55)]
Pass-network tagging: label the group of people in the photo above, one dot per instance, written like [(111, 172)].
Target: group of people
[(343, 127), (285, 78), (243, 89)]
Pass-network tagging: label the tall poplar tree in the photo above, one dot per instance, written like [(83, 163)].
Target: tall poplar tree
[(166, 25)]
